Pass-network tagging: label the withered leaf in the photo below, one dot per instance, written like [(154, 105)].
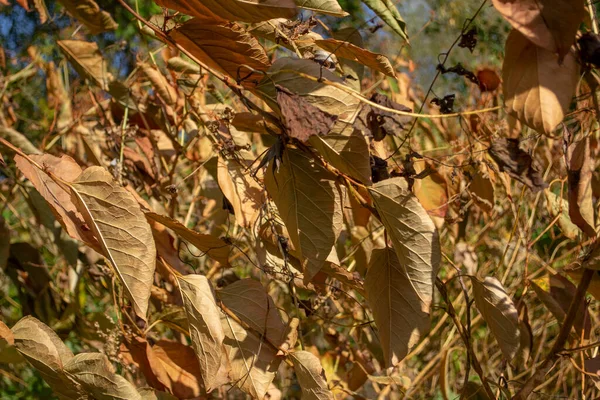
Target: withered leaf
[(90, 14), (349, 51), (379, 123), (214, 247), (311, 376), (226, 47), (301, 118), (413, 234), (160, 83), (235, 10), (309, 202), (119, 225), (205, 325), (87, 60), (499, 312), (537, 90), (516, 163), (248, 299), (179, 363), (387, 11), (398, 311), (550, 24), (96, 375), (580, 170)]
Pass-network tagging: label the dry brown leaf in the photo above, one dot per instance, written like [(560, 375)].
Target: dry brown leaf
[(325, 97), (353, 71), (379, 123), (309, 202), (58, 98), (226, 47), (398, 311), (125, 236), (580, 170), (242, 191), (179, 363), (311, 376), (87, 61), (413, 235), (329, 7), (498, 310), (234, 10), (248, 299), (432, 192), (517, 163), (349, 153), (557, 206), (160, 83), (556, 292), (205, 326), (482, 189), (537, 90), (211, 245), (142, 354), (96, 375), (44, 350), (8, 352), (344, 49), (57, 197), (89, 13), (301, 118), (550, 24), (253, 363)]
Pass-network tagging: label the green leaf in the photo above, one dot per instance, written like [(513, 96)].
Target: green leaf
[(387, 11)]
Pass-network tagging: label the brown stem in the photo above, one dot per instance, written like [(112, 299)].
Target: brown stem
[(563, 335)]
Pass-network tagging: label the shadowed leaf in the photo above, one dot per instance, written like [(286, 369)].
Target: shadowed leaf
[(89, 13), (344, 49), (517, 163), (235, 10), (311, 376)]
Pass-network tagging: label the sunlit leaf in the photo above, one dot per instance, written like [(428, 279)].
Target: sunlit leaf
[(344, 49), (329, 7), (179, 363), (160, 83), (551, 24), (311, 376), (205, 326), (115, 217), (537, 90), (387, 11), (235, 10), (557, 206), (87, 60), (400, 315), (413, 235), (310, 204), (89, 13), (97, 377), (580, 167), (498, 310), (211, 245), (226, 47)]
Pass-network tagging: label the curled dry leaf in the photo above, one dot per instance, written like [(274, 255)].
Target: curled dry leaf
[(44, 350), (97, 376), (8, 351), (225, 47), (556, 292), (234, 10), (242, 191), (248, 299), (557, 206), (413, 235), (311, 376), (89, 13), (349, 51), (349, 153), (309, 202), (301, 118), (87, 61), (160, 83), (211, 245), (537, 90), (500, 313), (379, 123), (482, 189), (205, 326), (517, 163), (118, 223), (327, 98), (387, 11), (580, 169), (400, 314), (550, 24)]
